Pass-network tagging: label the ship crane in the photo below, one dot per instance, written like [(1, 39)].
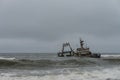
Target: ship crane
[(63, 52)]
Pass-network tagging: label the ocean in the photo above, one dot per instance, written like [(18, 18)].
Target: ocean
[(47, 66)]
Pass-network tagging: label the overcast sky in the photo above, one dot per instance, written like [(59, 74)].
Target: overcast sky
[(43, 25)]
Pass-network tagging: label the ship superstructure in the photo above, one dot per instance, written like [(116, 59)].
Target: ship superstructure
[(79, 52)]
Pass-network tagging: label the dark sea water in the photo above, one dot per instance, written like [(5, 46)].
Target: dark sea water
[(47, 66)]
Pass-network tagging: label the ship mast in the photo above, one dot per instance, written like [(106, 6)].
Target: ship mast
[(81, 43)]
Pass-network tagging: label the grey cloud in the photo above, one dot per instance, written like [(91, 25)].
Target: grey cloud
[(51, 22)]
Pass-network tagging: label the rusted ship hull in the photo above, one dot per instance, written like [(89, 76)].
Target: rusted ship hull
[(81, 55)]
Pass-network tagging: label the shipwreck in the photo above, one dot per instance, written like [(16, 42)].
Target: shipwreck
[(79, 52)]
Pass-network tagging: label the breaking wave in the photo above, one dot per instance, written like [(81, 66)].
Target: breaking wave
[(3, 58), (22, 63), (75, 74), (110, 56), (41, 63)]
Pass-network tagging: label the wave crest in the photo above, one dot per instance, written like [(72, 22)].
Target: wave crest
[(26, 63)]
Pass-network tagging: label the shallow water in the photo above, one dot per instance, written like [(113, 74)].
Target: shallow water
[(50, 67)]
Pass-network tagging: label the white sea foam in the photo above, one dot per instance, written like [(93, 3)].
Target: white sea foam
[(110, 56), (3, 58), (102, 74)]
